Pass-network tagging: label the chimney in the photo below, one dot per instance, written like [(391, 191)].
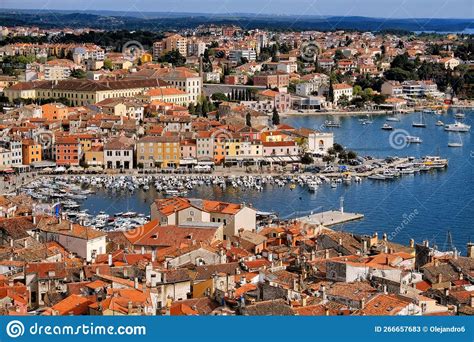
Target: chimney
[(323, 293), (472, 301), (364, 246), (110, 259), (136, 283), (26, 243), (130, 307), (70, 225), (385, 291), (470, 250), (34, 220), (295, 284), (362, 303), (440, 278), (426, 243), (376, 237), (326, 311), (340, 241), (303, 301), (313, 255), (384, 236), (11, 243), (326, 254), (412, 243), (153, 255)]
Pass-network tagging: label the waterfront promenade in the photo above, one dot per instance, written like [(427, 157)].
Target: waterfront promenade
[(330, 218)]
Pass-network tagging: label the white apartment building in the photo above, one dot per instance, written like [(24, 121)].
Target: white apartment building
[(320, 142), (236, 56), (56, 72)]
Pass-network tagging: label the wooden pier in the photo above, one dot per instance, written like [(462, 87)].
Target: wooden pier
[(330, 218)]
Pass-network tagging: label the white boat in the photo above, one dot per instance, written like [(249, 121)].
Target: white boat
[(459, 116), (435, 162), (387, 127), (456, 143), (421, 123), (393, 118), (457, 127), (334, 124), (413, 140), (439, 123), (377, 176)]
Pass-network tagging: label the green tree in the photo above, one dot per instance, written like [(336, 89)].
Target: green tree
[(219, 97), (338, 55), (78, 73), (275, 117), (191, 108), (173, 57), (307, 159), (108, 64), (351, 155)]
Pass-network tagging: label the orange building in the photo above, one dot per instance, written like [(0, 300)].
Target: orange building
[(31, 151), (68, 151), (54, 111)]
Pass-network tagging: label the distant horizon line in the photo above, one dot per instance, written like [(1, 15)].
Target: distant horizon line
[(124, 12)]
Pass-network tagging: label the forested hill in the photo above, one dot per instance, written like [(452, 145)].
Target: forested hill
[(164, 21)]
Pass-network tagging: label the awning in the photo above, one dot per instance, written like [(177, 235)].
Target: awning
[(188, 162), (60, 169)]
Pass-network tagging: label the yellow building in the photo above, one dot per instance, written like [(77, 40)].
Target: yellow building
[(158, 151), (31, 151), (232, 147), (94, 156), (176, 42), (272, 136), (82, 92), (146, 58)]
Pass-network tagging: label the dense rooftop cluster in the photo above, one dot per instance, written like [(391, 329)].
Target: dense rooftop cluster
[(200, 257)]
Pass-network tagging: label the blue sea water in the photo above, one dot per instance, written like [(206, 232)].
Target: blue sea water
[(422, 206)]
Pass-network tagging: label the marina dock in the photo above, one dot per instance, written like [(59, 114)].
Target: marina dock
[(330, 218)]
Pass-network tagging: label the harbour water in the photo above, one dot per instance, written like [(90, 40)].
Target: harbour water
[(424, 206)]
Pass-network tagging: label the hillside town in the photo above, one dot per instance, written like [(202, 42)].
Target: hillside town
[(205, 101)]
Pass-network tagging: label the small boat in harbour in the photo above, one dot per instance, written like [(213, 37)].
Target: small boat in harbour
[(454, 144), (421, 123), (439, 123), (387, 127), (457, 127), (413, 140), (333, 124)]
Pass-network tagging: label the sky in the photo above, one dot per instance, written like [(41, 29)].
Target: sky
[(368, 8)]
